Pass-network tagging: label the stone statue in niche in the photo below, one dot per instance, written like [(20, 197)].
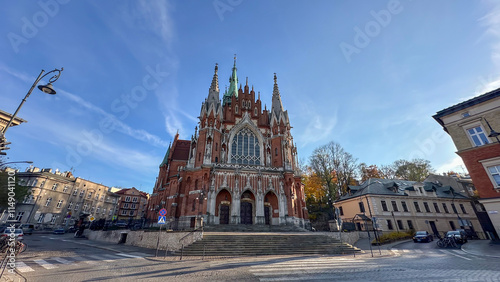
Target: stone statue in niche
[(248, 181), (223, 159), (281, 187), (270, 185), (268, 159), (224, 182)]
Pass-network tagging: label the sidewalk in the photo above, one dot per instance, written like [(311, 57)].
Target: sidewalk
[(384, 251), (484, 248)]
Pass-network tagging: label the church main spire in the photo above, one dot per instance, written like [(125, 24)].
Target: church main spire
[(215, 80), (233, 85)]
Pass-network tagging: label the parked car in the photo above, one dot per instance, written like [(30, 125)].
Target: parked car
[(121, 224), (459, 236), (18, 233), (27, 228), (423, 236), (59, 231)]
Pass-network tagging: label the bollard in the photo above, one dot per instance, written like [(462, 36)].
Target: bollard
[(203, 252), (166, 250), (182, 250)]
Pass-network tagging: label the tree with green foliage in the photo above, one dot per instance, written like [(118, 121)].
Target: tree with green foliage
[(414, 170)]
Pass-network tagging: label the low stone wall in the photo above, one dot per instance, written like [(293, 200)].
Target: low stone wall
[(146, 239), (347, 237)]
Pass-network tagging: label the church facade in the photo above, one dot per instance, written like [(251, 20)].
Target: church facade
[(240, 166)]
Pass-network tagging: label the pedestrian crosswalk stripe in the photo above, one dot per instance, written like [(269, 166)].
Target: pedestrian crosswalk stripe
[(127, 255), (22, 267), (141, 254), (44, 264), (419, 251), (85, 260), (61, 260), (453, 254)]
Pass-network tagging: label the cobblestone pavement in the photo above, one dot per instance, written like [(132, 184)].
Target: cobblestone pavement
[(50, 259)]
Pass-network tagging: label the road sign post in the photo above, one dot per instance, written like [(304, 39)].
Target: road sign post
[(161, 221)]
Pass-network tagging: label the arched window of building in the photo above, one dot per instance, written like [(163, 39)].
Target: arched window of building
[(216, 146), (276, 151), (245, 148), (236, 109), (255, 111)]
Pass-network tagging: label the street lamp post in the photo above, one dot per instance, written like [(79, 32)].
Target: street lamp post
[(45, 88), (493, 133)]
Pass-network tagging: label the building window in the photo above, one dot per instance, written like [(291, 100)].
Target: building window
[(65, 220), (477, 136), (127, 199), (124, 212), (97, 210), (361, 207), (41, 217), (495, 174), (34, 182), (92, 210), (452, 225), (82, 193), (394, 206), (89, 195), (131, 213), (410, 224), (85, 207), (134, 200), (65, 189), (42, 184), (104, 211), (236, 109), (125, 206), (426, 206), (133, 206), (75, 192), (417, 207), (436, 207), (384, 206), (405, 208), (97, 197), (400, 225), (53, 220), (19, 216), (445, 208), (54, 187), (341, 210), (110, 212), (275, 151), (454, 208), (70, 205), (102, 198), (245, 148), (77, 207), (47, 203), (463, 208), (389, 224), (59, 204)]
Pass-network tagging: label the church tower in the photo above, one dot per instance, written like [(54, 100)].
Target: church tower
[(240, 166)]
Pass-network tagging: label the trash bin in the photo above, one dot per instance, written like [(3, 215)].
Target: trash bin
[(123, 238)]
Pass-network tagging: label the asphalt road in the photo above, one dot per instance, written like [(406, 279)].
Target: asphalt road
[(62, 258)]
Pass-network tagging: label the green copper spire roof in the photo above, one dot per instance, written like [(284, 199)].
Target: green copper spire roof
[(233, 85), (165, 159)]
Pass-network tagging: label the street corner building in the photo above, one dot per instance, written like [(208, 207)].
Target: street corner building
[(240, 166), (474, 127)]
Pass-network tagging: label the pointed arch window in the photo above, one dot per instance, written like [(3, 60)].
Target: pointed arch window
[(245, 148)]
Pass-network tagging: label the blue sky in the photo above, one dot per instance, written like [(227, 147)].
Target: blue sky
[(366, 74)]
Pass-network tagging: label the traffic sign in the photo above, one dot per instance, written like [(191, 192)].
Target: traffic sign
[(162, 212), (91, 218), (161, 219)]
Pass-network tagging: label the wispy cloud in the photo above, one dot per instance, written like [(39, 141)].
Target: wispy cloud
[(456, 164), (319, 127), (120, 126)]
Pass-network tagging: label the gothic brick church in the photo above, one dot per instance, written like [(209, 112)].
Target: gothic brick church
[(240, 166)]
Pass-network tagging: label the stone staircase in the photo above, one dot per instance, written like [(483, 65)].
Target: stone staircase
[(262, 243), (252, 228)]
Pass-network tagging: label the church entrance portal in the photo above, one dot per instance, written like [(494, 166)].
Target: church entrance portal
[(224, 214), (246, 213)]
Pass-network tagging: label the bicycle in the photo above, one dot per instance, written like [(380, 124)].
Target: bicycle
[(447, 242)]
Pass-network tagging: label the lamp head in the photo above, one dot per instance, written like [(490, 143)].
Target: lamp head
[(47, 89), (493, 133)]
